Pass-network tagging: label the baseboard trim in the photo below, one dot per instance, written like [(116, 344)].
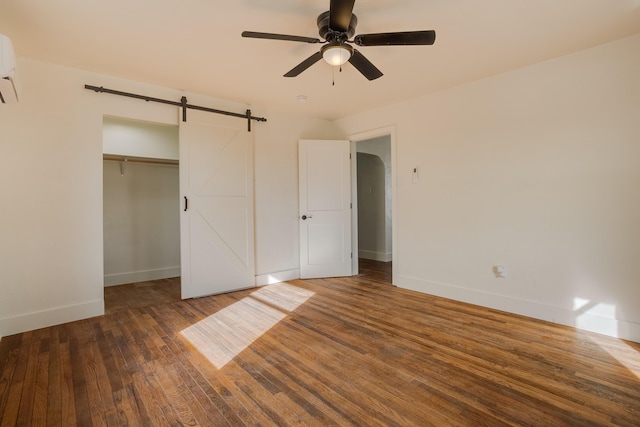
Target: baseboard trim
[(376, 256), (277, 277), (585, 321), (140, 276), (46, 318)]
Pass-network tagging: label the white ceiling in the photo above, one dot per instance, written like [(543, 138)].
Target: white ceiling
[(195, 45)]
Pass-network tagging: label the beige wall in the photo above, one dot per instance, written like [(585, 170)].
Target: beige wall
[(535, 169)]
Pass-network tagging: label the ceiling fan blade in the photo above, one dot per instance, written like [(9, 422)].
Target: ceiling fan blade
[(271, 36), (363, 65), (304, 65), (427, 37), (340, 13)]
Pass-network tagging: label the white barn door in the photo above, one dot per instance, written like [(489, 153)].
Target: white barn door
[(325, 208), (216, 191)]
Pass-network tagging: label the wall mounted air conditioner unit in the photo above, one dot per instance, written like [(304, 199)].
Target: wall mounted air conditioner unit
[(8, 92)]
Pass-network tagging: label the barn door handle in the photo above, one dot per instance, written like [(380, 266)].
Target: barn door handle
[(186, 203)]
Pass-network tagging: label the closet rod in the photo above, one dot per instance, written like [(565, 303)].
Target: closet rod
[(182, 103), (130, 159)]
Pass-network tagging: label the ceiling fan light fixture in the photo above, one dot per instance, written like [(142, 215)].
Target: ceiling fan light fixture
[(337, 54)]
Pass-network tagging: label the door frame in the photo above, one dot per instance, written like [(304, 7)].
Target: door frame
[(389, 131)]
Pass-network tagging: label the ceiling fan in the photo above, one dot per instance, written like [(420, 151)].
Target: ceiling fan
[(336, 26)]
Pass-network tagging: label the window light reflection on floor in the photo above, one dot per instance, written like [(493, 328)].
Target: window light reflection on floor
[(601, 318), (623, 353), (223, 335)]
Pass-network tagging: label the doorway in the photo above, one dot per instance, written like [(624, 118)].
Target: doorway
[(373, 214), (141, 222)]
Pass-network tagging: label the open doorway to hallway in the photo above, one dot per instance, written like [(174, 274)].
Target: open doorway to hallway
[(374, 207)]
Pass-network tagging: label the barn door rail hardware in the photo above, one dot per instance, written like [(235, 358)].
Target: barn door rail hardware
[(182, 104)]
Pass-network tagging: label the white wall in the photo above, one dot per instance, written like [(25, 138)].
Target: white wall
[(139, 139), (141, 222), (51, 191), (536, 169), (51, 251), (276, 171)]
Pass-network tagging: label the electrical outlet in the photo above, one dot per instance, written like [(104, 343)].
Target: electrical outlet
[(500, 271)]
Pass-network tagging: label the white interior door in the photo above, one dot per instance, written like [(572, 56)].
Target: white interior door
[(216, 189), (325, 208)]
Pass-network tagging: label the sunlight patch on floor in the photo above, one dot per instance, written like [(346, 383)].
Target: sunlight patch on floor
[(223, 335), (283, 296), (623, 353), (601, 318)]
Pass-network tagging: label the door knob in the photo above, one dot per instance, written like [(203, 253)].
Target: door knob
[(304, 217)]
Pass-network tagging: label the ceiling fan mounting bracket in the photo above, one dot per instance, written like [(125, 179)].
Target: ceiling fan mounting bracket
[(329, 34)]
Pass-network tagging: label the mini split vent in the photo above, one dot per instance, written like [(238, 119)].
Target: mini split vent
[(8, 92)]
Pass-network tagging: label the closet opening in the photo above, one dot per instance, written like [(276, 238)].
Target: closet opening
[(141, 211)]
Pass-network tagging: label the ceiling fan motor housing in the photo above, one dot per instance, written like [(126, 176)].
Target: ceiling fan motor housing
[(332, 35)]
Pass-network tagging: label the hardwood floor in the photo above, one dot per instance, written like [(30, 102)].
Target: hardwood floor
[(375, 270), (348, 351)]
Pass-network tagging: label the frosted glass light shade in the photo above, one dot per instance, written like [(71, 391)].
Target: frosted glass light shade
[(336, 55)]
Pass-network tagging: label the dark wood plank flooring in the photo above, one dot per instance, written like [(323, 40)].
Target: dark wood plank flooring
[(375, 270), (347, 351)]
